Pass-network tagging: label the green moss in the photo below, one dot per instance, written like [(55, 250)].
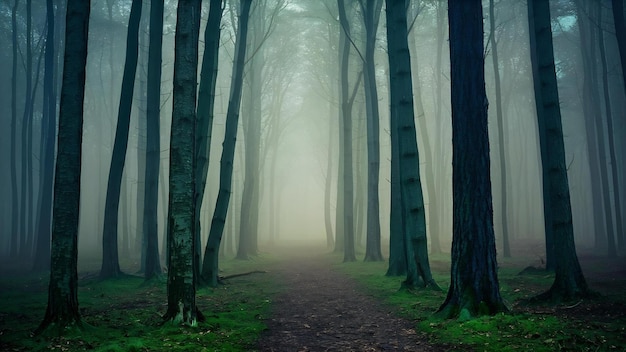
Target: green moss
[(124, 314), (517, 331)]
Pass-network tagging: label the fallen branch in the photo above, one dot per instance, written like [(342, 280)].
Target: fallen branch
[(242, 274)]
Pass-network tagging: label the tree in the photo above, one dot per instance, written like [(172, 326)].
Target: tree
[(413, 217), (206, 105), (14, 195), (182, 260), (371, 15), (347, 101), (569, 282), (474, 288), (42, 251), (620, 33), (153, 136), (110, 258), (62, 310), (498, 91), (211, 254)]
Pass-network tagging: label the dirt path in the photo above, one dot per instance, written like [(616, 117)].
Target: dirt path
[(323, 310)]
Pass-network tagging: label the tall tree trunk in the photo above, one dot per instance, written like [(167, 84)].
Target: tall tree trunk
[(603, 220), (153, 141), (26, 150), (14, 185), (474, 288), (211, 255), (181, 282), (619, 230), (110, 258), (371, 20), (206, 106), (328, 184), (401, 104), (42, 251), (496, 76), (422, 129), (252, 143), (62, 310), (620, 33), (569, 282), (349, 254)]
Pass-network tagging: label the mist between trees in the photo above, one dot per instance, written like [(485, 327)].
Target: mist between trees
[(316, 121)]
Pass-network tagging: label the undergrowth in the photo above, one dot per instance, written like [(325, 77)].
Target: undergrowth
[(125, 314), (524, 328)]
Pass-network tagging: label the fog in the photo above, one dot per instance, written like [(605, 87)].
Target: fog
[(299, 99)]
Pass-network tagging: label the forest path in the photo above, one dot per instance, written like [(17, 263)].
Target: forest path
[(321, 309)]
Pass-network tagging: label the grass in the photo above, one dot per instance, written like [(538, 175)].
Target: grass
[(538, 328), (125, 314)]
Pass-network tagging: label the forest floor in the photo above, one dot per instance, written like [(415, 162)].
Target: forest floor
[(323, 309), (308, 300)]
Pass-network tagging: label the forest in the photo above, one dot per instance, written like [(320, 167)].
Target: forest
[(298, 175)]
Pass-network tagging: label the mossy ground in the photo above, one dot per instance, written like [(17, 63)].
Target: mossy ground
[(598, 325), (125, 314)]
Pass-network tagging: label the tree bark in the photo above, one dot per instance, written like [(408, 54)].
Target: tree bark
[(569, 282), (62, 310), (474, 288), (181, 282), (42, 249), (402, 110), (206, 106), (153, 145), (498, 90), (211, 254), (371, 19), (110, 257), (620, 33), (14, 196), (349, 254)]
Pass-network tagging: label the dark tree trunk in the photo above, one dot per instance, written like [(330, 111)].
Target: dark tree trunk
[(569, 282), (602, 220), (349, 254), (110, 257), (153, 146), (26, 150), (206, 106), (62, 310), (42, 250), (401, 102), (619, 231), (371, 18), (496, 76), (620, 32), (181, 281), (211, 255), (14, 185), (474, 288)]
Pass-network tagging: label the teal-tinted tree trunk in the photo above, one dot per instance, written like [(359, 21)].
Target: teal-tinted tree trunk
[(506, 248), (349, 254), (110, 257), (152, 266), (474, 288), (62, 310), (42, 249), (211, 254), (206, 105), (371, 20), (181, 280), (14, 185), (569, 282), (404, 134), (620, 33)]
